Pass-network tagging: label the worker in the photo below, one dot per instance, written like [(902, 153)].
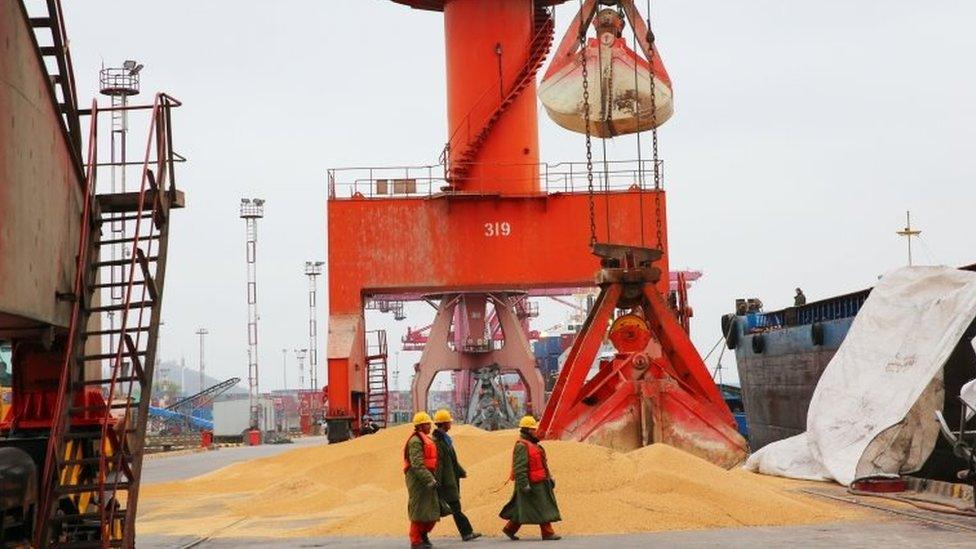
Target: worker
[(369, 426), (799, 299), (449, 474), (533, 498), (424, 507)]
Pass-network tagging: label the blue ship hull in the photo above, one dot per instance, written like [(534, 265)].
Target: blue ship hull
[(780, 356)]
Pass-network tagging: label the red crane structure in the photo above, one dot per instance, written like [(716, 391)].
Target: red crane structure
[(492, 222), (495, 222)]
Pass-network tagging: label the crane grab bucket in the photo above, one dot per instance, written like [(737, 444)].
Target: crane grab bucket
[(655, 388), (620, 80)]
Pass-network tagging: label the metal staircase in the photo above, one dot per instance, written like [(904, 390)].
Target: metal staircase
[(377, 384), (460, 165), (47, 21), (90, 484)]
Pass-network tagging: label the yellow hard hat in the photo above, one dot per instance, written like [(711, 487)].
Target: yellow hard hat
[(528, 422), (420, 418), (442, 416)]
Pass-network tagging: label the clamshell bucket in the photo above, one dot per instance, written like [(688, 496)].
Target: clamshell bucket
[(655, 389), (619, 82)]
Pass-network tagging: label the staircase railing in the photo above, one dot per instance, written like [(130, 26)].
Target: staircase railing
[(463, 144), (377, 385), (153, 184), (48, 497), (96, 443)]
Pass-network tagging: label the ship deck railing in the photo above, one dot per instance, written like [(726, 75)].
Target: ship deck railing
[(835, 308)]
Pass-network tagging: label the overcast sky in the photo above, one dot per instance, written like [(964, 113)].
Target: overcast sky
[(802, 133)]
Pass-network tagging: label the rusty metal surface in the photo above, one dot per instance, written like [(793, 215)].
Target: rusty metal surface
[(778, 384), (40, 186)]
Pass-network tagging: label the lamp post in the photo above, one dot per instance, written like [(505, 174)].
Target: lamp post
[(301, 354), (284, 369), (252, 209), (313, 269), (202, 332)]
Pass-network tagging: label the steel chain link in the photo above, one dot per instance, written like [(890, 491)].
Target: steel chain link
[(654, 151), (589, 142)]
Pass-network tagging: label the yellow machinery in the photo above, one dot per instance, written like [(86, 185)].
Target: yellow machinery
[(4, 401)]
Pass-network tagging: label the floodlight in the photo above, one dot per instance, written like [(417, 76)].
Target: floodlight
[(135, 70), (129, 65)]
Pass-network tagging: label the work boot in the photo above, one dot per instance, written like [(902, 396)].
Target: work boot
[(417, 546), (510, 535), (553, 537), (427, 544), (471, 536)]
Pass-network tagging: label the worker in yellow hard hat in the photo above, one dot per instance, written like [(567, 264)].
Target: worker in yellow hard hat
[(533, 498), (449, 474), (424, 507)]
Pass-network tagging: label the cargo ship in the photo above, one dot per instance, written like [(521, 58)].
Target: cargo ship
[(781, 354)]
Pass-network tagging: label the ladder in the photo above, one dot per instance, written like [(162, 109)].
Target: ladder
[(377, 384), (459, 167), (90, 487), (46, 19)]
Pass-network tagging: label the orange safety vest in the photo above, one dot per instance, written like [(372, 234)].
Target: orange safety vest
[(538, 468), (430, 452)]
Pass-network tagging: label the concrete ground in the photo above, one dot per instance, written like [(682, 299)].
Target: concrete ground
[(163, 468), (887, 533), (893, 525)]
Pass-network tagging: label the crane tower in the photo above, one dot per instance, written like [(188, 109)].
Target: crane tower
[(485, 226)]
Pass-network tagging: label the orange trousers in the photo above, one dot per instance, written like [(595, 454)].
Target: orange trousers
[(417, 531), (512, 528)]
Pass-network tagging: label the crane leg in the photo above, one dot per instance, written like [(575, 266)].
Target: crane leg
[(465, 348)]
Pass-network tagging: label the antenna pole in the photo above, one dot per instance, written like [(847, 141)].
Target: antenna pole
[(908, 233)]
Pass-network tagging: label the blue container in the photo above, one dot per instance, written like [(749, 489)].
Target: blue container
[(539, 348), (742, 424), (554, 345), (549, 364)]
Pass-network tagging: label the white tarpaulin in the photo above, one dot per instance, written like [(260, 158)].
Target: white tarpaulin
[(873, 409)]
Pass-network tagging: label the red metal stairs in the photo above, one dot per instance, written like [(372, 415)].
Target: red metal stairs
[(460, 165), (92, 469), (377, 380), (47, 22)]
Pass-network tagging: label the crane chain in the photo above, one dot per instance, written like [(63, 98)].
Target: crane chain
[(654, 149), (589, 141)]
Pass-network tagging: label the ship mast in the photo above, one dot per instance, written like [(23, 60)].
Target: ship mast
[(908, 233)]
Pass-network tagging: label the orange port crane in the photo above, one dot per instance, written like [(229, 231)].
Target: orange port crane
[(492, 222)]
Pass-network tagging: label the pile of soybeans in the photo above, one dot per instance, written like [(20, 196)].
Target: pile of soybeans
[(357, 489)]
